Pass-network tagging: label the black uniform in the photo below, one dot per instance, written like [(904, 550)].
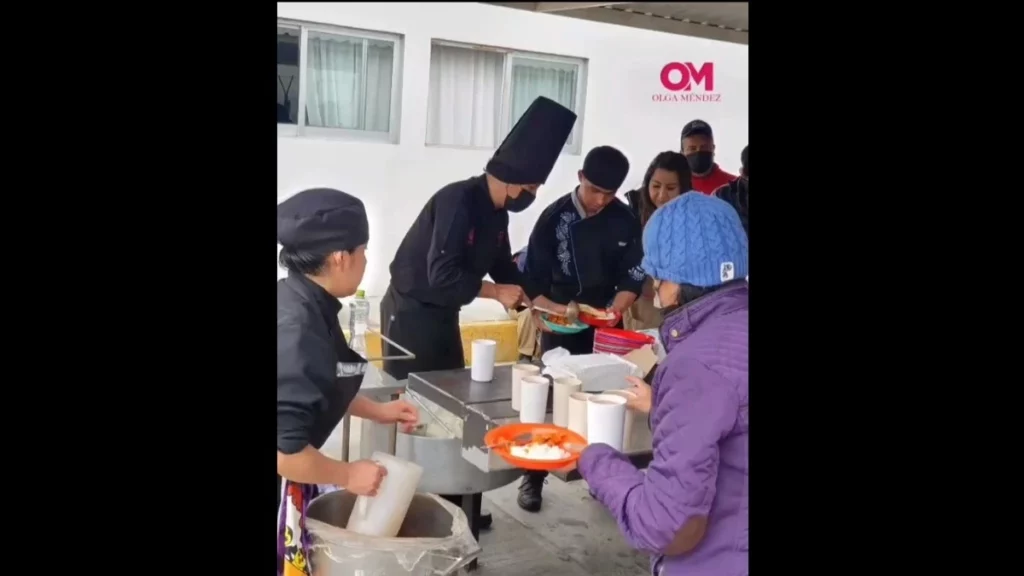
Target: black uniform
[(457, 239), (465, 238), (318, 375), (587, 260), (573, 257)]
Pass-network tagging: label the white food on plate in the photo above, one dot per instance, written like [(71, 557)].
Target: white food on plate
[(539, 452)]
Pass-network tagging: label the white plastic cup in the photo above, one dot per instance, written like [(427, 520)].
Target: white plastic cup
[(533, 401), (563, 387), (482, 368), (606, 419), (577, 413), (518, 372), (627, 434)]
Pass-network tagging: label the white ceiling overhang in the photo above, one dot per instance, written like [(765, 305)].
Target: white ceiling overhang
[(724, 21)]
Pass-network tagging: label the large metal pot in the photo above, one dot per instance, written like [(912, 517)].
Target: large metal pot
[(434, 540), (445, 471)]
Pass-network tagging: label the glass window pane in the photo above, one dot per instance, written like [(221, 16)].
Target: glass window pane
[(380, 64), (532, 78), (348, 82), (464, 98), (334, 81), (287, 75)]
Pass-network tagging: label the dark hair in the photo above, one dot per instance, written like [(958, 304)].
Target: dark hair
[(673, 162), (302, 262), (743, 159)]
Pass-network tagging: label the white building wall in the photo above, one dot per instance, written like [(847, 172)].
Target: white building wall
[(622, 84)]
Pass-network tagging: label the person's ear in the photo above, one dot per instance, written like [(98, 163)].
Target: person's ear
[(579, 175), (341, 259)]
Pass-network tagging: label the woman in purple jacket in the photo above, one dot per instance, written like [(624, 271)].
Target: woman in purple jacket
[(690, 508)]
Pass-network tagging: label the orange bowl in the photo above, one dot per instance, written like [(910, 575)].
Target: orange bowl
[(596, 322), (502, 438)]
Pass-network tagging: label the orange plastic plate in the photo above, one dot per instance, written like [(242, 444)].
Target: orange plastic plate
[(502, 438)]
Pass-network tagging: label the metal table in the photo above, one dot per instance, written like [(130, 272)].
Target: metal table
[(486, 405)]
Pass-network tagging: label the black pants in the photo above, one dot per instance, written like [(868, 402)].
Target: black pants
[(429, 332), (579, 343)]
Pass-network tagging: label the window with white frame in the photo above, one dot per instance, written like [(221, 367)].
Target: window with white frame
[(478, 93), (337, 82)]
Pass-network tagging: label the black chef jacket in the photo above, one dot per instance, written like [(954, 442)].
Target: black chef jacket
[(587, 260), (458, 238), (318, 375)]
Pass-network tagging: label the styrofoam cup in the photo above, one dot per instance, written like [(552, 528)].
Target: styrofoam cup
[(627, 426), (533, 399), (606, 418), (482, 367), (563, 387), (577, 413), (518, 372)]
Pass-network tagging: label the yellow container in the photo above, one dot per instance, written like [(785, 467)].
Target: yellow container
[(501, 331)]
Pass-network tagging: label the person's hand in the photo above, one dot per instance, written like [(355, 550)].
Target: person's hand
[(398, 412), (539, 323), (641, 400), (576, 449), (509, 295), (572, 311), (364, 477)]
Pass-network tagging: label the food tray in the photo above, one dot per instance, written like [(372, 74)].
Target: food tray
[(500, 440), (575, 328), (597, 322)]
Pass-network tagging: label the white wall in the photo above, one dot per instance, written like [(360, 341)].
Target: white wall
[(623, 77)]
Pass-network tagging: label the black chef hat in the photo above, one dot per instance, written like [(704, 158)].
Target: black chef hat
[(530, 150), (322, 220), (606, 167)]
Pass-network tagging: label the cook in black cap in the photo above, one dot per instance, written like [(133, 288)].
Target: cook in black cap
[(460, 236), (585, 248), (697, 143), (323, 235)]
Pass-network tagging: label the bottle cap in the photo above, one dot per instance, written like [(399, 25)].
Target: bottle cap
[(360, 293)]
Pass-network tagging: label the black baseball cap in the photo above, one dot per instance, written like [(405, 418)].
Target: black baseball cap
[(697, 128)]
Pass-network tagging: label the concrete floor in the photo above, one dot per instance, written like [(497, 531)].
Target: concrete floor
[(572, 535)]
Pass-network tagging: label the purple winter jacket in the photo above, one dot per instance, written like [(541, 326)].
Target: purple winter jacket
[(699, 422)]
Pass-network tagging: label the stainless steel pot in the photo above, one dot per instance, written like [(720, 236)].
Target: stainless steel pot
[(434, 540), (445, 471)]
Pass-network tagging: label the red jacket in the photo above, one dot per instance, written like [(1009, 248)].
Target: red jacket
[(713, 181)]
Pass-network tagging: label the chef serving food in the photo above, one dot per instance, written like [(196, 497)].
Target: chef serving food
[(323, 235), (584, 254), (460, 236), (690, 509)]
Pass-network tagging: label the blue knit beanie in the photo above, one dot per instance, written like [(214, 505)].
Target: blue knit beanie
[(695, 239)]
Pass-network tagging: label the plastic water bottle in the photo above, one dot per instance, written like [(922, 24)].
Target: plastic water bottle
[(358, 321)]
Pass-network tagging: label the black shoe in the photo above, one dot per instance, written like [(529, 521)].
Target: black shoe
[(485, 520), (530, 489)]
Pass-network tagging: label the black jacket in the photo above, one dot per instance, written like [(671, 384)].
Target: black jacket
[(737, 193), (318, 375), (458, 238), (586, 260)]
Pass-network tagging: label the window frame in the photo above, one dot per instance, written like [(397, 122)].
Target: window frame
[(300, 129), (572, 147)]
